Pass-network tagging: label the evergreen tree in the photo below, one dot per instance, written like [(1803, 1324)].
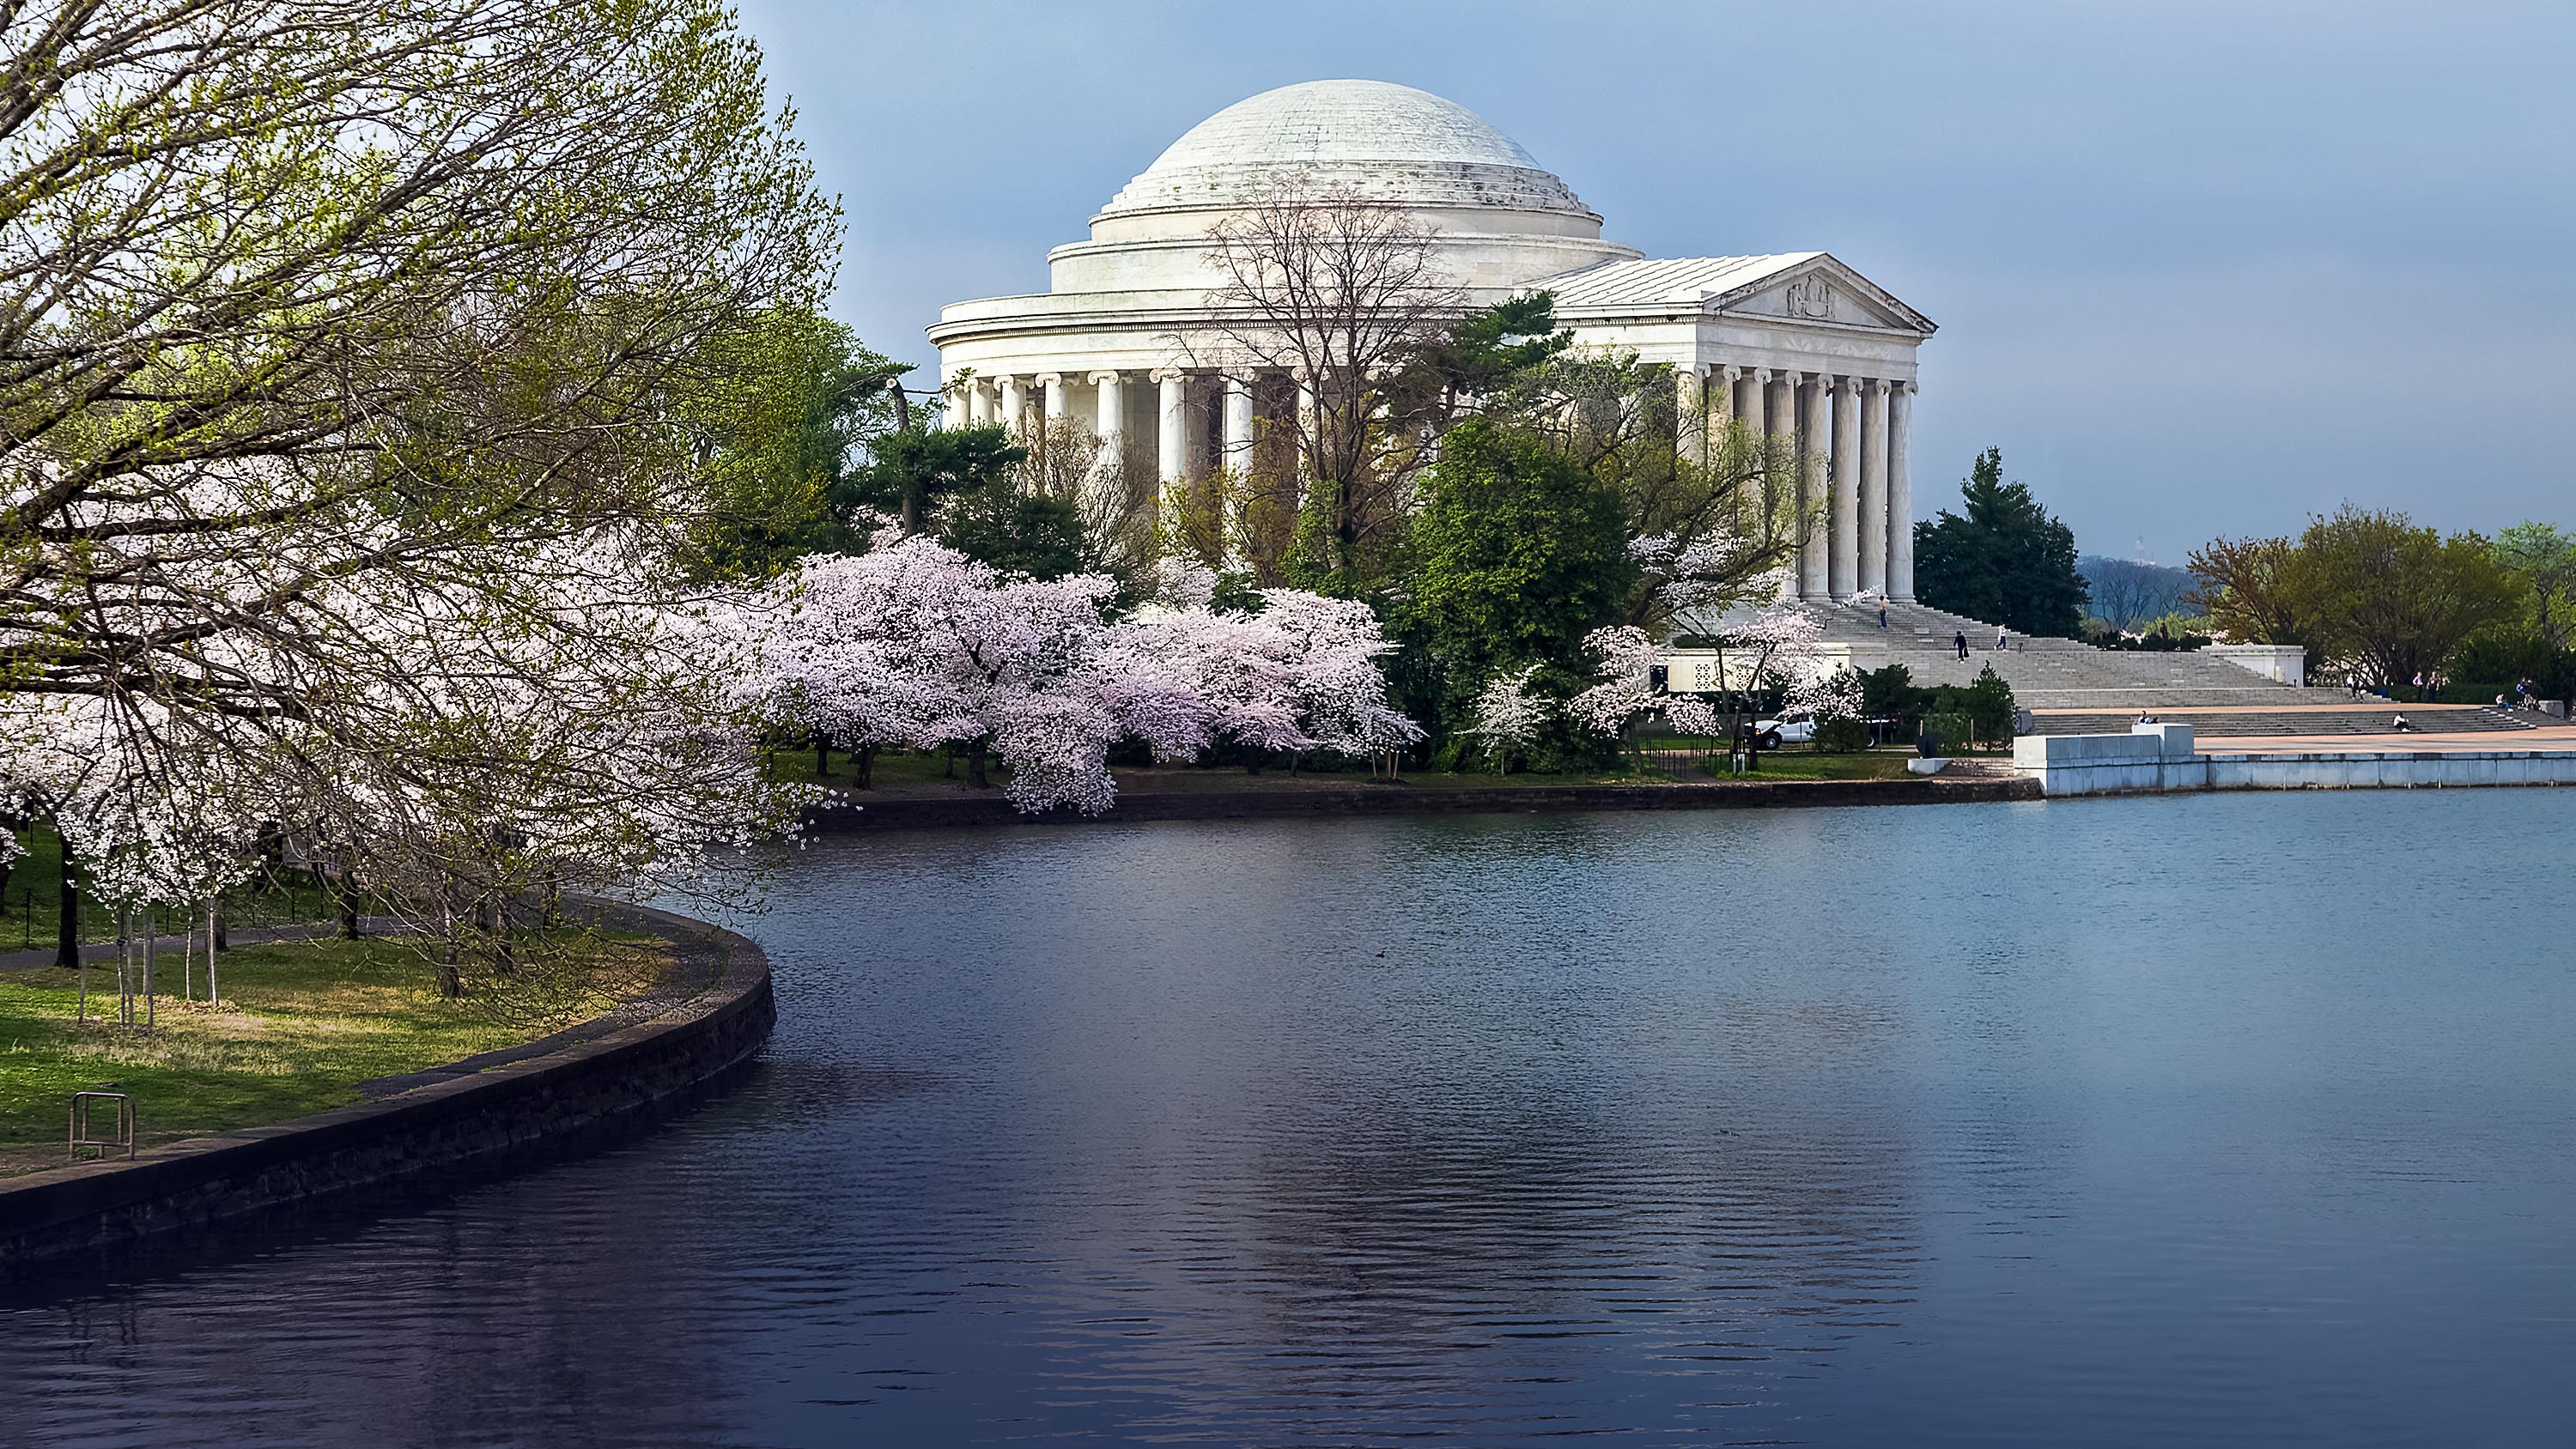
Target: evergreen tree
[(916, 467), (1035, 534), (1517, 555), (2005, 561)]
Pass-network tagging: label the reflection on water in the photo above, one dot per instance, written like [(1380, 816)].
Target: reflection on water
[(2220, 1120)]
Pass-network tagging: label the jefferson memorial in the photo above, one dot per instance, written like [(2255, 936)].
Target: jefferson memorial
[(1792, 343)]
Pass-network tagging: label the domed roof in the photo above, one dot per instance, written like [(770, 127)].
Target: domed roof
[(1371, 139)]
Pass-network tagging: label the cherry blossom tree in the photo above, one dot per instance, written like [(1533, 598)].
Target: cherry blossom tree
[(915, 644), (1507, 715), (1778, 648)]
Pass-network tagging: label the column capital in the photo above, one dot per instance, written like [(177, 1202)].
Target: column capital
[(1880, 385), (1731, 372), (1906, 388), (1168, 374), (1762, 374), (1106, 374), (1847, 384), (1046, 379), (1002, 379)]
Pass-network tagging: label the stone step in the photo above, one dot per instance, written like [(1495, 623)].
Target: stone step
[(2045, 673)]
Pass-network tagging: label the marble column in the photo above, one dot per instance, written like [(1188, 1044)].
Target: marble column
[(1014, 404), (1051, 387), (1109, 420), (1690, 427), (1900, 496), (1873, 487), (1754, 409), (979, 404), (1720, 393), (1172, 431), (1843, 568), (1237, 454), (1234, 456), (1815, 434)]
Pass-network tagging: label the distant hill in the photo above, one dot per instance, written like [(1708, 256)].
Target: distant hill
[(2127, 594)]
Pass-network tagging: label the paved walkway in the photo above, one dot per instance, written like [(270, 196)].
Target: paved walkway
[(170, 945), (2556, 739)]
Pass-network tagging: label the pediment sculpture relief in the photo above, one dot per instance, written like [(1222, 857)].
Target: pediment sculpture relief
[(1810, 297)]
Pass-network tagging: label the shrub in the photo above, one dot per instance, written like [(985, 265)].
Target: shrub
[(1842, 735)]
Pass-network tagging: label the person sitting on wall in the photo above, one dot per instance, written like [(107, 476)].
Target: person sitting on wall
[(2403, 727)]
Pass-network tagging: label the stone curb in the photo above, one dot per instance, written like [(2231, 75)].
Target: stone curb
[(94, 1205), (914, 813)]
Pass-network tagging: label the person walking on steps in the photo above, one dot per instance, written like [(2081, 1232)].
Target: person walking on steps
[(1882, 616), (1960, 642), (2003, 637)]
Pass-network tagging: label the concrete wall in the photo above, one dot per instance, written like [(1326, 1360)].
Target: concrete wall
[(96, 1205), (2155, 759), (2286, 663), (2150, 759), (962, 809), (2391, 770)]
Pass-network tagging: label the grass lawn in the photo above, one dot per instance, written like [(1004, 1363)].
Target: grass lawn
[(301, 1025)]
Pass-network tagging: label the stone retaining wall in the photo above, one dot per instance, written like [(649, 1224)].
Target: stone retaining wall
[(2162, 759), (901, 813), (99, 1204)]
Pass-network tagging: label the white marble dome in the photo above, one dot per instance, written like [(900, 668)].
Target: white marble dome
[(1366, 138)]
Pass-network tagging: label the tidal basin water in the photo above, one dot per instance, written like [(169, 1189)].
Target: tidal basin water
[(2218, 1120)]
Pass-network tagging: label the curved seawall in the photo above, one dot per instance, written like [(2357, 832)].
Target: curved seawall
[(473, 1109)]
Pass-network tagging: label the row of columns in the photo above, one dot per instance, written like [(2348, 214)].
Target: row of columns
[(1851, 436), (1004, 400)]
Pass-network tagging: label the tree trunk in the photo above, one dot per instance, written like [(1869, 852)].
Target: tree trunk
[(451, 982), (349, 930), (221, 928), (975, 765), (67, 950), (865, 762), (822, 755)]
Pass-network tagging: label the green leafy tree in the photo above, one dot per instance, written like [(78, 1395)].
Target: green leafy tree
[(2394, 600), (1516, 555), (2541, 560), (2256, 591), (779, 408), (2003, 560), (1889, 692)]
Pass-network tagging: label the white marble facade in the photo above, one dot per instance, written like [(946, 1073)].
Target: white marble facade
[(1794, 343)]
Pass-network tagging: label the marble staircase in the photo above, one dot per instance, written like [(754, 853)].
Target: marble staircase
[(2051, 673)]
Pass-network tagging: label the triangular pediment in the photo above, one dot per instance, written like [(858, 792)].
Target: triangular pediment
[(1819, 289)]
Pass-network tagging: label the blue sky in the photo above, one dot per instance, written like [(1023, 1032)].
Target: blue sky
[(2199, 268)]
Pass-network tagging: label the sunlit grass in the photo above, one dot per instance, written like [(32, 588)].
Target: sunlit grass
[(300, 1026)]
